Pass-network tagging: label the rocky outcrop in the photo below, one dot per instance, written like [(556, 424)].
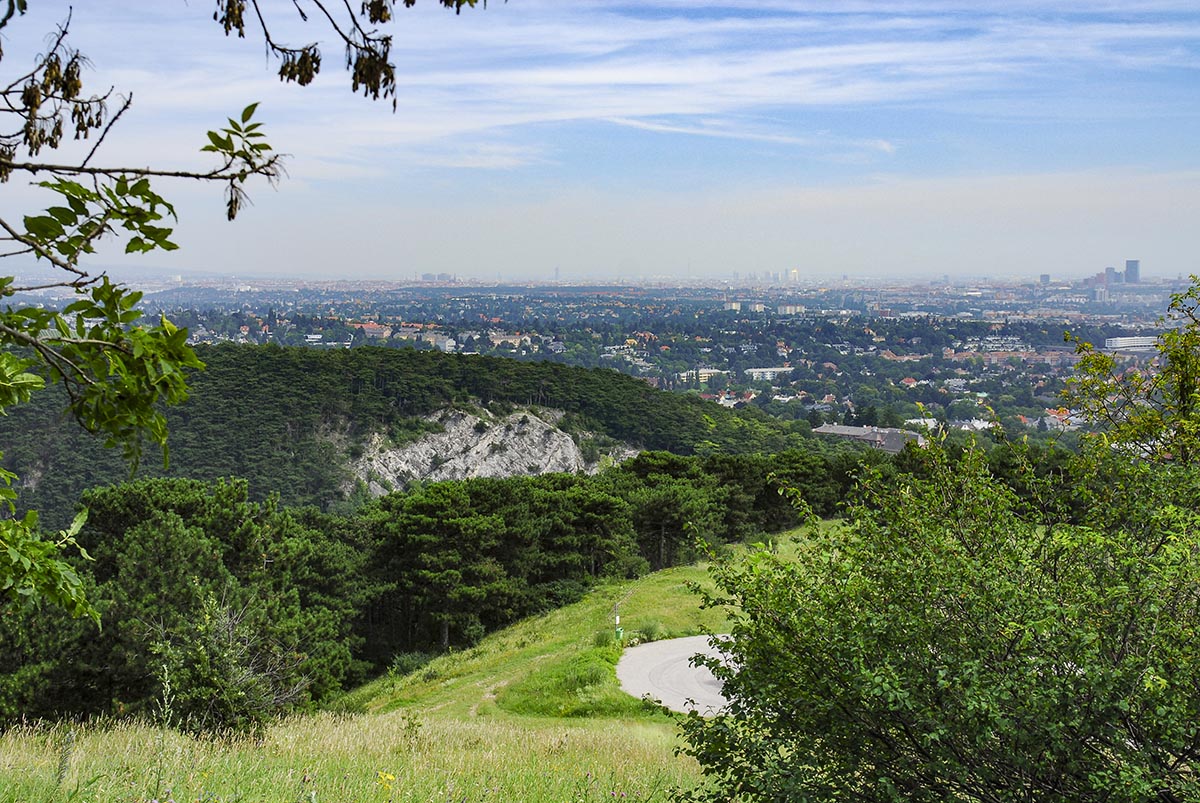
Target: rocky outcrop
[(477, 445)]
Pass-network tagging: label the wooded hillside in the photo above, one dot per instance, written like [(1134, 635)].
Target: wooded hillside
[(288, 420)]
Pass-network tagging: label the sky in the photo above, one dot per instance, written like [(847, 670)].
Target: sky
[(697, 140)]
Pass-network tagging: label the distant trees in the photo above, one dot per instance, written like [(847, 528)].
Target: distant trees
[(278, 417)]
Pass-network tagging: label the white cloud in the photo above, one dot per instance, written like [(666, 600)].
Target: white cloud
[(720, 131), (519, 63)]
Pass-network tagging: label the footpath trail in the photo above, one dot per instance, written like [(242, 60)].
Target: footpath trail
[(663, 670)]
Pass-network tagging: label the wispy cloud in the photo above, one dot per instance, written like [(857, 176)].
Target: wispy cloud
[(727, 129), (708, 131)]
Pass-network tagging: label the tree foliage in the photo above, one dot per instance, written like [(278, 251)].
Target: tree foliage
[(976, 636), (1153, 411), (117, 372), (30, 568), (245, 609), (952, 642)]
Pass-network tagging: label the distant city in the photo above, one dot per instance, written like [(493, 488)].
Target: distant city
[(1111, 292), (841, 353)]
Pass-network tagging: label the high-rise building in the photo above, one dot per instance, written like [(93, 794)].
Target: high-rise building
[(1133, 271), (1111, 277)]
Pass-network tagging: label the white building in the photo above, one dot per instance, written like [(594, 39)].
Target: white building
[(766, 374), (1130, 343)]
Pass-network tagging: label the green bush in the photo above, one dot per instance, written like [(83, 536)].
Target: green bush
[(405, 663), (954, 642), (222, 676)]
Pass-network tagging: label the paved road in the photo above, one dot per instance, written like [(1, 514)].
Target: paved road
[(662, 669)]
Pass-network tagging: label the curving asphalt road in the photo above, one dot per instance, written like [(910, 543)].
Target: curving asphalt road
[(663, 670)]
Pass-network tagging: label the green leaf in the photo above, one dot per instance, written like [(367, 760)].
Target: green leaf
[(248, 112), (43, 227), (63, 215)]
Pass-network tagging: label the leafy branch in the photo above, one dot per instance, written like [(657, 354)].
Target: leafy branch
[(1151, 411)]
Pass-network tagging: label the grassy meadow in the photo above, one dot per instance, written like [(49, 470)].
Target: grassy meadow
[(532, 713)]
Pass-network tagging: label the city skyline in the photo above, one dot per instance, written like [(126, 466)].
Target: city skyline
[(673, 140)]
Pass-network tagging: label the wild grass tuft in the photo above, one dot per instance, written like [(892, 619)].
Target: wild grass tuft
[(65, 748), (651, 630)]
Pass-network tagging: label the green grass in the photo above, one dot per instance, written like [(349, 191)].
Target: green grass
[(560, 664), (384, 757), (532, 713)]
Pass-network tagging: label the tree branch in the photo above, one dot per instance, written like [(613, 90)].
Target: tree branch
[(271, 44), (40, 251), (268, 168), (112, 121), (54, 359), (8, 13), (79, 283)]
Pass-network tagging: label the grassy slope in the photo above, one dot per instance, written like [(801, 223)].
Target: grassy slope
[(532, 713)]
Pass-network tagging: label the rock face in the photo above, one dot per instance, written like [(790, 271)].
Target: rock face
[(523, 443)]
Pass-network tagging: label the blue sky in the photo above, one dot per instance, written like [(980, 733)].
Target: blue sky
[(686, 138)]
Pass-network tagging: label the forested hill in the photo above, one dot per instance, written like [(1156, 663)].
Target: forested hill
[(289, 420)]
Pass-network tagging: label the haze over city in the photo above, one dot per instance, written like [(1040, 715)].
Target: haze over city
[(677, 140)]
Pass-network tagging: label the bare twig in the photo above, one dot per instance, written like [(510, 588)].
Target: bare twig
[(81, 282), (112, 121)]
